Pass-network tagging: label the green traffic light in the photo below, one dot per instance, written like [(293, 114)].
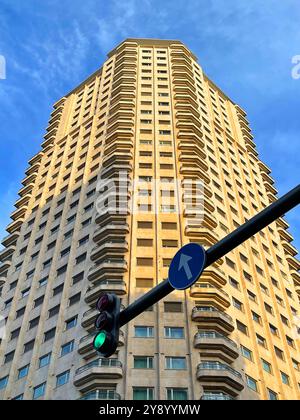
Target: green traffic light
[(99, 340)]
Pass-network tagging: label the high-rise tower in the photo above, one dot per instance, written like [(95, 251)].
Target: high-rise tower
[(151, 114)]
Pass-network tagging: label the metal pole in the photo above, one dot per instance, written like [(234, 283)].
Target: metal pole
[(217, 251)]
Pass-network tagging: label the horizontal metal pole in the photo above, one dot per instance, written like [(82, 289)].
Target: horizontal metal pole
[(217, 251)]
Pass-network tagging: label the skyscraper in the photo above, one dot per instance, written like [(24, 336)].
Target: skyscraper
[(140, 133)]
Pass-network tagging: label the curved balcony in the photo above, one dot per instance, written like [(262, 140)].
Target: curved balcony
[(112, 229), (216, 396), (33, 168), (4, 266), (15, 226), (212, 318), (117, 157), (296, 276), (100, 395), (214, 344), (30, 179), (293, 263), (216, 375), (116, 169), (109, 247), (19, 213), (11, 239), (210, 295), (107, 265), (285, 234), (199, 219), (289, 248), (88, 319), (110, 286), (7, 252), (23, 193), (91, 375), (2, 281), (24, 200)]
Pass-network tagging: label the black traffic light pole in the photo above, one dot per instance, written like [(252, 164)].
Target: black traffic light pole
[(227, 244)]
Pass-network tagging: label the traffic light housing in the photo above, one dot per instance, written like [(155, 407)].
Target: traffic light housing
[(107, 323)]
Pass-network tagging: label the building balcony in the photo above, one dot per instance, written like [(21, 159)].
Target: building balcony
[(10, 239), (117, 157), (285, 235), (7, 252), (49, 139), (212, 318), (88, 319), (86, 348), (112, 229), (91, 375), (15, 226), (216, 396), (107, 265), (216, 375), (296, 277), (116, 169), (293, 263), (2, 281), (109, 247), (24, 200), (30, 178), (110, 286), (4, 266), (23, 192), (289, 248), (182, 110), (264, 168), (201, 235), (271, 197), (19, 213), (101, 395), (216, 345), (270, 188), (208, 294)]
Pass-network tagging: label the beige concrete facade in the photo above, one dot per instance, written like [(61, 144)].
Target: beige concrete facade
[(151, 112)]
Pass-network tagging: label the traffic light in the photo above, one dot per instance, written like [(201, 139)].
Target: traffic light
[(107, 324)]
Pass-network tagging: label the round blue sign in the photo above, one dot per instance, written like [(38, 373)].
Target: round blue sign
[(187, 266)]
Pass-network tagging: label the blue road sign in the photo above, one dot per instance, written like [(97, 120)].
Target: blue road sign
[(187, 266)]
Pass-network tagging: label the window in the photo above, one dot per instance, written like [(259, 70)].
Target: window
[(261, 340), (234, 283), (143, 362), (246, 353), (256, 317), (20, 312), (62, 378), (174, 332), (48, 335), (39, 301), (57, 290), (251, 383), (74, 299), (144, 262), (290, 341), (62, 270), (177, 394), (44, 360), (71, 323), (67, 348), (237, 304), (18, 397), (144, 283), (15, 334), (144, 332), (241, 327), (176, 363), (272, 396), (3, 382), (173, 307), (78, 278), (43, 282), (269, 308), (143, 393), (54, 311), (28, 346), (285, 379), (39, 391), (23, 372), (81, 258), (9, 356), (279, 353), (266, 366), (34, 322)]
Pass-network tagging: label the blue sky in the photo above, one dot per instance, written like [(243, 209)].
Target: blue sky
[(246, 47)]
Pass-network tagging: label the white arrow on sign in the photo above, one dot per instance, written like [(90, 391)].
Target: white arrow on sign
[(184, 263)]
